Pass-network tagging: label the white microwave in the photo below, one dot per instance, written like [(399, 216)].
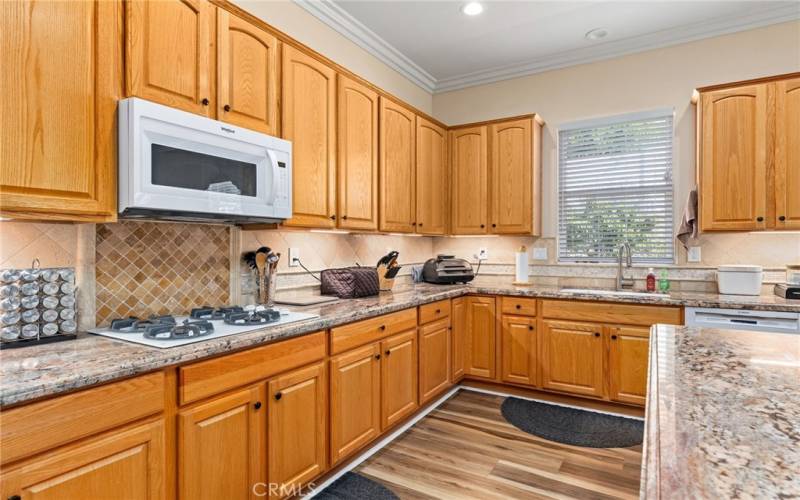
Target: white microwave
[(180, 166)]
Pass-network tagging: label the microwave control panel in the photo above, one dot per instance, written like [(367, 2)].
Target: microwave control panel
[(283, 181)]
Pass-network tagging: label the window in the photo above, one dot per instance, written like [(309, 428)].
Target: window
[(615, 185)]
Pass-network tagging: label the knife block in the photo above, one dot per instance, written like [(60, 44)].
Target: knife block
[(384, 283)]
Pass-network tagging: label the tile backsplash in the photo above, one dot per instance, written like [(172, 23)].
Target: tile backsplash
[(145, 268)]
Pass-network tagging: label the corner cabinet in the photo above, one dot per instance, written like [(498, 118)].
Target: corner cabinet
[(432, 178), (749, 155), (470, 180), (397, 168), (61, 79)]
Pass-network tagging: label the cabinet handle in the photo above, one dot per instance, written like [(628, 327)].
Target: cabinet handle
[(613, 337), (278, 395), (226, 107), (596, 334), (257, 405), (377, 356), (332, 217), (782, 218), (205, 102), (388, 352), (760, 219)]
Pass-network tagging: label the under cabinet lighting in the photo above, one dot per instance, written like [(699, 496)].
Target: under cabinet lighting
[(472, 9)]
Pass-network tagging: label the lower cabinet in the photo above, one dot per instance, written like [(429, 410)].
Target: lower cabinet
[(480, 337), (398, 378), (628, 354), (519, 351), (458, 322), (572, 357), (297, 428), (434, 359), (222, 446), (128, 463), (355, 400)]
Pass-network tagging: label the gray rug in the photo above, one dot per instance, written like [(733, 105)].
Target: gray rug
[(572, 426), (353, 486)]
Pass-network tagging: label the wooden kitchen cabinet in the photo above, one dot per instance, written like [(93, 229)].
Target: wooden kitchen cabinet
[(309, 120), (129, 461), (432, 175), (61, 79), (480, 342), (514, 180), (397, 168), (458, 322), (470, 177), (628, 353), (355, 400), (572, 357), (519, 350), (434, 359), (168, 53), (247, 74), (357, 151), (297, 419), (787, 153), (399, 371), (222, 445)]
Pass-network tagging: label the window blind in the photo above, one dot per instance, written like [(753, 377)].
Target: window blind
[(615, 185)]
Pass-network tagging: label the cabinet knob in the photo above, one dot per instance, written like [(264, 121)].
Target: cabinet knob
[(420, 224), (613, 337), (494, 225), (596, 334), (344, 217), (438, 311), (519, 306), (332, 217), (760, 219), (15, 497), (388, 352), (482, 226), (530, 327), (382, 327), (205, 102), (257, 405), (226, 107), (377, 356), (278, 395), (782, 218)]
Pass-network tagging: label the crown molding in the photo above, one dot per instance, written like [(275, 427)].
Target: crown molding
[(340, 20)]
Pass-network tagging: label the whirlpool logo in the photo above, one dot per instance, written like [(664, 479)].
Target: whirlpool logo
[(228, 130)]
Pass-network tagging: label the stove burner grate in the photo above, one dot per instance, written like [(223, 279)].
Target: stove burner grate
[(249, 318), (186, 330), (208, 312), (136, 325)]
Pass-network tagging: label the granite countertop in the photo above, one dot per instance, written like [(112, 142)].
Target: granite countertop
[(35, 372), (723, 415)]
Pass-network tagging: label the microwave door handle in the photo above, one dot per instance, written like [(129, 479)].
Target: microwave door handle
[(274, 162)]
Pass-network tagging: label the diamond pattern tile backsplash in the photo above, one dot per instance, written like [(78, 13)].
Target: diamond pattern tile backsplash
[(146, 268)]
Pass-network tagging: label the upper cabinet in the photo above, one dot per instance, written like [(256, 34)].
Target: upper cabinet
[(61, 78), (397, 168), (470, 184), (309, 121), (357, 152), (169, 57), (247, 74), (431, 173), (749, 155)]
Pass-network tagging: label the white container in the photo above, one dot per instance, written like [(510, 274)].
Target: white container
[(740, 280), (793, 274)]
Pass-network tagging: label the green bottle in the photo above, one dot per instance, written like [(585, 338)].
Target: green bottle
[(663, 282)]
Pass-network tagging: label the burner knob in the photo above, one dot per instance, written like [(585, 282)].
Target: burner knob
[(278, 395), (257, 405)]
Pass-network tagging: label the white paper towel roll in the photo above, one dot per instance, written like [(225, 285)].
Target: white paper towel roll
[(521, 274)]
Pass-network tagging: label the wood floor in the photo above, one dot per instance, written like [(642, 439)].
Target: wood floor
[(466, 450)]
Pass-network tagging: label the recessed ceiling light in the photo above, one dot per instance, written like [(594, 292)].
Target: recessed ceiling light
[(596, 34), (472, 9)]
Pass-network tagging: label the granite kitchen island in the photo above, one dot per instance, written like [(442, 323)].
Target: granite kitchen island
[(723, 415)]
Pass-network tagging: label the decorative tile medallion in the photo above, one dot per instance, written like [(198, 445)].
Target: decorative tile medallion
[(146, 268)]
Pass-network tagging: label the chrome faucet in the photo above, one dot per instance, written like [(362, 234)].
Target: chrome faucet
[(622, 281)]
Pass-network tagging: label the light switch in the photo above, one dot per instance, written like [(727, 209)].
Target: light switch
[(693, 255), (539, 253)]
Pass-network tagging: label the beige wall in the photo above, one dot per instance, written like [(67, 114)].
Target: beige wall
[(304, 27), (648, 80)]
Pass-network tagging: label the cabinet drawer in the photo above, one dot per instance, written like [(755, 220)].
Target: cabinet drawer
[(359, 333), (434, 311), (628, 314), (206, 378), (37, 427), (518, 305)]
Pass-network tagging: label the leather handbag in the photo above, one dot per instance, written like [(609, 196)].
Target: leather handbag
[(350, 282)]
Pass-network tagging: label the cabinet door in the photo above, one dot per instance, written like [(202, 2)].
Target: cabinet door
[(572, 357), (127, 462), (61, 79), (458, 320), (297, 416), (512, 176), (629, 347), (518, 343), (309, 121), (222, 446), (469, 171), (733, 160), (355, 400), (432, 186), (397, 158), (168, 57), (787, 154), (434, 359), (398, 377), (480, 337), (247, 74), (357, 137)]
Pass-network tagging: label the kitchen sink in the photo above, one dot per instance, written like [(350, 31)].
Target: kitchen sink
[(613, 293)]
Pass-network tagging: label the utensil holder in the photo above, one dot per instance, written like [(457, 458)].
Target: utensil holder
[(267, 284)]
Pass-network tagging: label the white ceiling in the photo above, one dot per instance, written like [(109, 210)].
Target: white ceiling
[(439, 48)]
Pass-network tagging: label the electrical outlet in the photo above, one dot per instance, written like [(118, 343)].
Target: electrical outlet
[(483, 254), (294, 256), (693, 255), (540, 253)]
